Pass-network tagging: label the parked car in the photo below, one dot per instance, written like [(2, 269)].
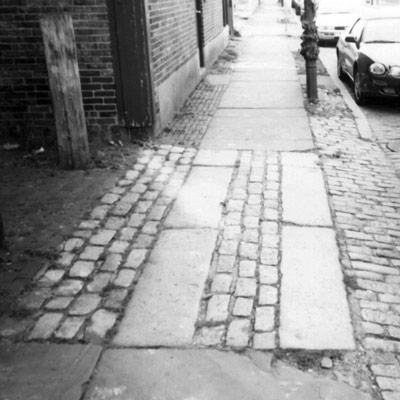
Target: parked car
[(369, 54), (335, 16), (298, 6)]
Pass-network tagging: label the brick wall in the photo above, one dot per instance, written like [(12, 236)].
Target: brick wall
[(25, 105), (173, 35), (213, 19)]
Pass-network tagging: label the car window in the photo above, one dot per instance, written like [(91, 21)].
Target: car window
[(356, 30), (382, 30)]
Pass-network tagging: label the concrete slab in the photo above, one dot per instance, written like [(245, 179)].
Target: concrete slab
[(206, 375), (45, 371), (258, 130), (220, 158), (262, 95), (165, 304), (304, 197), (314, 309), (287, 74), (198, 204)]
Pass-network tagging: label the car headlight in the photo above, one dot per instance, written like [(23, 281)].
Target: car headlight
[(377, 69), (395, 71)]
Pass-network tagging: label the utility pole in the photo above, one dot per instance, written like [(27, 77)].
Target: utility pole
[(309, 48)]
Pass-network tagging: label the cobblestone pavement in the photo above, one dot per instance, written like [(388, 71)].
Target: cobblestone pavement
[(82, 296), (365, 199)]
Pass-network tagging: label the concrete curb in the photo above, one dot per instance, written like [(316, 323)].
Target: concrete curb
[(362, 123)]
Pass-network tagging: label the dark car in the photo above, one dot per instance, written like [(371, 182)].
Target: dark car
[(369, 53)]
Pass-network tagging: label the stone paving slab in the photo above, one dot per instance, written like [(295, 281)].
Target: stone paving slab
[(206, 374), (262, 95), (257, 131), (45, 371), (165, 304), (270, 74), (220, 158), (314, 310), (305, 201), (205, 189)]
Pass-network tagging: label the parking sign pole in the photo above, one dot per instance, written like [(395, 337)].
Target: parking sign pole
[(309, 48)]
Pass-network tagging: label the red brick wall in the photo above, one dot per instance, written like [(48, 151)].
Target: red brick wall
[(25, 106)]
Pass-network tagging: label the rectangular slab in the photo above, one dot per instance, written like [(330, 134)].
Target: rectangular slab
[(262, 95), (45, 371), (198, 204), (165, 304), (304, 197), (278, 74), (314, 309), (220, 158), (250, 129)]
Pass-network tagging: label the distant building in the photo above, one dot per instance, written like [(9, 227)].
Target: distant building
[(138, 59)]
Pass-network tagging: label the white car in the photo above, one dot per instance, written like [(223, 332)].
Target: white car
[(335, 16)]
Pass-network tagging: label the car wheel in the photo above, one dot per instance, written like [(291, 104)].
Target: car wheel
[(359, 96), (340, 73)]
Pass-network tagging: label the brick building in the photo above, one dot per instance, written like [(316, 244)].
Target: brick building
[(138, 59)]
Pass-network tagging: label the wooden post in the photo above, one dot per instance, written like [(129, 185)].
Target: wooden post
[(309, 48), (65, 87)]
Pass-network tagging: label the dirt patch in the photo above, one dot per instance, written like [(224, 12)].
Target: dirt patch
[(41, 205)]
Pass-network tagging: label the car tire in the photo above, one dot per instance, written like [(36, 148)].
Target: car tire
[(359, 96), (340, 73)]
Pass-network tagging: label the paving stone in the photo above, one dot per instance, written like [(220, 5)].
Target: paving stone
[(127, 234), (269, 256), (14, 328), (264, 341), (270, 241), (99, 282), (232, 233), (46, 325), (392, 371), (85, 304), (205, 189), (109, 198), (248, 251), (136, 220), (119, 246), (112, 262), (103, 237), (100, 212), (217, 308), (69, 287), (92, 253), (44, 371), (82, 269), (143, 241), (157, 213), (243, 307), (251, 235), (268, 295), (229, 247), (233, 218), (122, 208), (124, 278), (59, 303), (115, 299), (65, 259), (130, 198), (268, 275), (176, 279), (225, 263), (115, 223), (388, 383), (246, 287), (89, 224), (51, 277), (211, 336), (132, 175), (101, 322), (221, 283), (143, 206), (269, 228), (73, 244), (135, 258), (34, 299), (69, 328), (238, 333), (314, 315), (247, 269), (265, 319), (151, 228), (235, 205)]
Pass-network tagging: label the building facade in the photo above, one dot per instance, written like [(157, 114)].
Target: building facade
[(138, 60)]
